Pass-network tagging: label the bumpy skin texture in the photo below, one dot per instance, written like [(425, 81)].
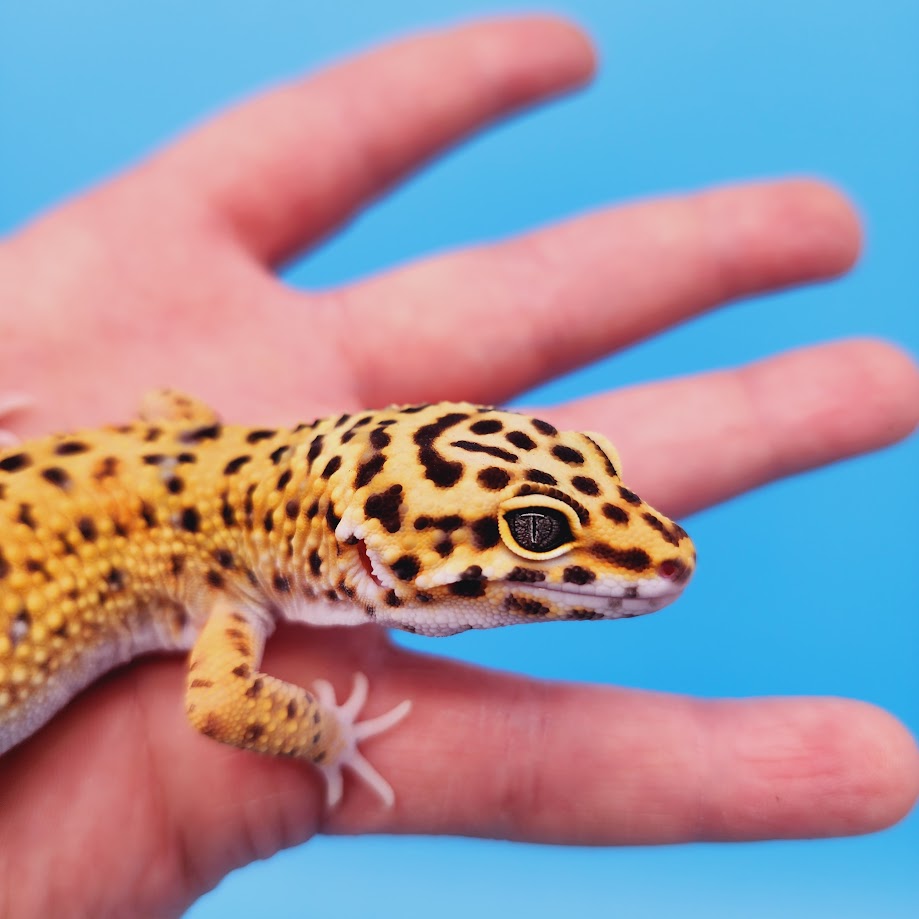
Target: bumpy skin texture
[(180, 532)]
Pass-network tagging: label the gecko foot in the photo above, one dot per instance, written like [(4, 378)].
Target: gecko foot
[(353, 732)]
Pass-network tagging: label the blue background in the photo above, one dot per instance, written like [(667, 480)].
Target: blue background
[(689, 94)]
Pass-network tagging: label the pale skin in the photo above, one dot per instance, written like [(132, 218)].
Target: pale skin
[(165, 275)]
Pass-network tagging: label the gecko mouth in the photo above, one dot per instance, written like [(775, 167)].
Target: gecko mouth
[(607, 601), (367, 563), (613, 603)]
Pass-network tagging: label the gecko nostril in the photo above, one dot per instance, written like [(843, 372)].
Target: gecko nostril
[(673, 570)]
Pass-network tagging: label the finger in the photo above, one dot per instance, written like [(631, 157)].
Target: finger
[(515, 314), (288, 166), (692, 442), (493, 755)]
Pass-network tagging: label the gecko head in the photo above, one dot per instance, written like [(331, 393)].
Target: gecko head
[(475, 517)]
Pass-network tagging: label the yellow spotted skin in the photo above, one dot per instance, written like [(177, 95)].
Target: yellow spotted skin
[(179, 532)]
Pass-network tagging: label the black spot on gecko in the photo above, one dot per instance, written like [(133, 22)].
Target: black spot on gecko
[(87, 529), (291, 509), (379, 439), (470, 446), (154, 459), (278, 454), (467, 588), (106, 468), (224, 558), (281, 584), (186, 458), (575, 574), (315, 448), (15, 462), (392, 599), (177, 564), (71, 447), (525, 575), (406, 567), (332, 519), (442, 472), (268, 522), (493, 478), (444, 547), (58, 477), (568, 455), (116, 580), (585, 485), (520, 440), (331, 467), (367, 470), (196, 435), (657, 524), (284, 480), (486, 426), (485, 532), (227, 514), (175, 485), (190, 520), (449, 523), (615, 513), (629, 496), (632, 559), (25, 516), (315, 562), (235, 465), (385, 507), (544, 427), (4, 565), (584, 615), (34, 566), (253, 437)]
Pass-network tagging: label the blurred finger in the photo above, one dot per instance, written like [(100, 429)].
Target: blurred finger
[(688, 443), (291, 164), (486, 323)]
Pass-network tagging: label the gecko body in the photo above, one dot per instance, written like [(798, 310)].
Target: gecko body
[(178, 532)]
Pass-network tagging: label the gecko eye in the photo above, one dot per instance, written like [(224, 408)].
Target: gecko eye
[(538, 529)]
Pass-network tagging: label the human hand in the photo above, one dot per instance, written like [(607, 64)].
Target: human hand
[(163, 276)]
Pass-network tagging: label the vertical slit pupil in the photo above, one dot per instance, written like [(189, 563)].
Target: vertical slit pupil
[(539, 529)]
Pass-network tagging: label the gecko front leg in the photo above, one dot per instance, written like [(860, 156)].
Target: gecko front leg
[(230, 700)]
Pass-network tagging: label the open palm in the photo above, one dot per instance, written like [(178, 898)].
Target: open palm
[(164, 276)]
